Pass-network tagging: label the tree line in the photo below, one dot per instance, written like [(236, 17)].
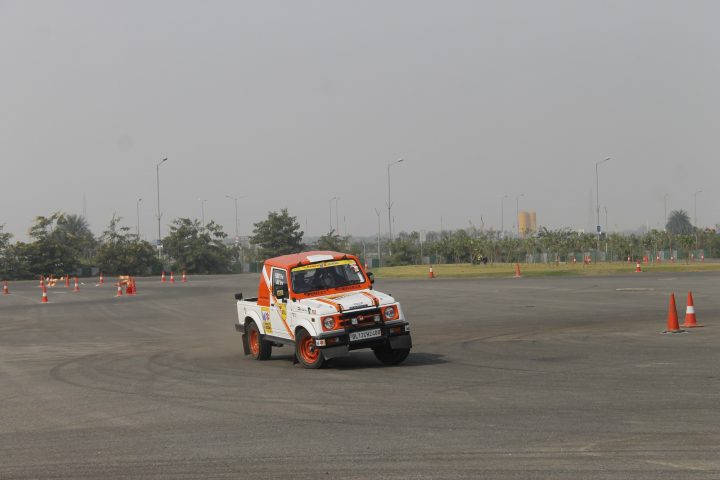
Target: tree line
[(63, 243)]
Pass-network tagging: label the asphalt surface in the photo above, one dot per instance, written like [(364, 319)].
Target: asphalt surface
[(557, 378)]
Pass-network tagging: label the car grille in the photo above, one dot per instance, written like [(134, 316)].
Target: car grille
[(366, 318)]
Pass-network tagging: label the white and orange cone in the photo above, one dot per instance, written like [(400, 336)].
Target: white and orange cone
[(77, 285), (638, 269), (102, 280), (119, 290), (690, 319), (172, 277), (67, 281), (44, 295), (431, 274), (162, 277), (6, 290), (517, 271), (184, 277)]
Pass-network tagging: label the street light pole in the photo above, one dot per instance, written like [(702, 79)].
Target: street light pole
[(138, 217), (502, 215), (236, 214), (377, 212), (597, 200), (695, 208), (202, 209), (337, 216), (159, 215), (389, 202), (330, 205), (517, 212)]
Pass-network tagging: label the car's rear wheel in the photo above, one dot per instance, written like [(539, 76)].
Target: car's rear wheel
[(390, 356), (307, 352), (260, 349)]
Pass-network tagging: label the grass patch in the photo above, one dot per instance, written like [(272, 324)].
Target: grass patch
[(463, 270)]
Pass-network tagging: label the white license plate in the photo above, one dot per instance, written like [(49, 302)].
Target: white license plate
[(355, 336)]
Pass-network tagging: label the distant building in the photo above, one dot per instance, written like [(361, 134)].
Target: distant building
[(527, 224)]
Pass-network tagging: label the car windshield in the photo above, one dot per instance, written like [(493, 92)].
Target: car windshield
[(326, 275)]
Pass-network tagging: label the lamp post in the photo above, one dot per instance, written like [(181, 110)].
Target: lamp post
[(159, 215), (377, 212), (137, 206), (236, 214), (597, 200), (337, 216), (695, 208), (202, 209), (389, 202), (502, 215), (330, 205), (517, 212)]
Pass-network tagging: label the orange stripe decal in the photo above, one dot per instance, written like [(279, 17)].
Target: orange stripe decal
[(337, 306), (372, 297)]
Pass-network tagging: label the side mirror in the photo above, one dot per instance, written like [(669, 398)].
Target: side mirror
[(238, 296), (371, 277)]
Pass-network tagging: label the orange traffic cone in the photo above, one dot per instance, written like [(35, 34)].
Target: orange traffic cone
[(67, 281), (172, 277), (77, 285), (690, 319), (184, 277), (102, 280), (6, 290), (134, 285), (672, 320), (517, 271), (431, 274), (637, 267), (119, 290), (162, 278), (44, 295)]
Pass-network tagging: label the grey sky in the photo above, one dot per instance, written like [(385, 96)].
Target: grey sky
[(292, 103)]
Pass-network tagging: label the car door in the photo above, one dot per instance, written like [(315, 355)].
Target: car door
[(278, 304)]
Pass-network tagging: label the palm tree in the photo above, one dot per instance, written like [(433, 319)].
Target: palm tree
[(679, 223)]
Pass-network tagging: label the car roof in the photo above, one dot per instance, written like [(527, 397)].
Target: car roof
[(303, 258)]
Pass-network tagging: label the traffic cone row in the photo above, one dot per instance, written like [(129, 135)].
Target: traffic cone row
[(673, 325)]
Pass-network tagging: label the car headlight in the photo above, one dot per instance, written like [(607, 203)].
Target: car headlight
[(329, 323), (389, 313)]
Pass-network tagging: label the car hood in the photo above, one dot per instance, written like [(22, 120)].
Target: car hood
[(356, 300)]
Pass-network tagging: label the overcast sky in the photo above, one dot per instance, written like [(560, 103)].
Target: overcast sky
[(292, 103)]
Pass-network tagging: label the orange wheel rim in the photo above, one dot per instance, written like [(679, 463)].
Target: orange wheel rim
[(308, 350), (254, 341)]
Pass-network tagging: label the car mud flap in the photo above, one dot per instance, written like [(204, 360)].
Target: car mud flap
[(400, 342), (246, 347), (334, 352)]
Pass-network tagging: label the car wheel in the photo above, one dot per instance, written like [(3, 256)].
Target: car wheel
[(260, 349), (388, 356), (308, 354)]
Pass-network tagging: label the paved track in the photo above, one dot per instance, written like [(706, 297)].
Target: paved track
[(563, 378)]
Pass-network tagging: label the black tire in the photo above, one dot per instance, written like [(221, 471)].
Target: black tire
[(260, 349), (307, 353), (388, 356)]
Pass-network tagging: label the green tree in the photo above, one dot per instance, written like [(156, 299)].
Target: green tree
[(679, 223), (198, 248), (51, 251), (6, 254), (123, 253), (280, 234), (75, 230), (332, 241)]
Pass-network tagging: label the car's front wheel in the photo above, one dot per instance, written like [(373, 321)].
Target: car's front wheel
[(307, 352), (390, 356)]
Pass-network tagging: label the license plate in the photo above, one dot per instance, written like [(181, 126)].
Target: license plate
[(355, 336)]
